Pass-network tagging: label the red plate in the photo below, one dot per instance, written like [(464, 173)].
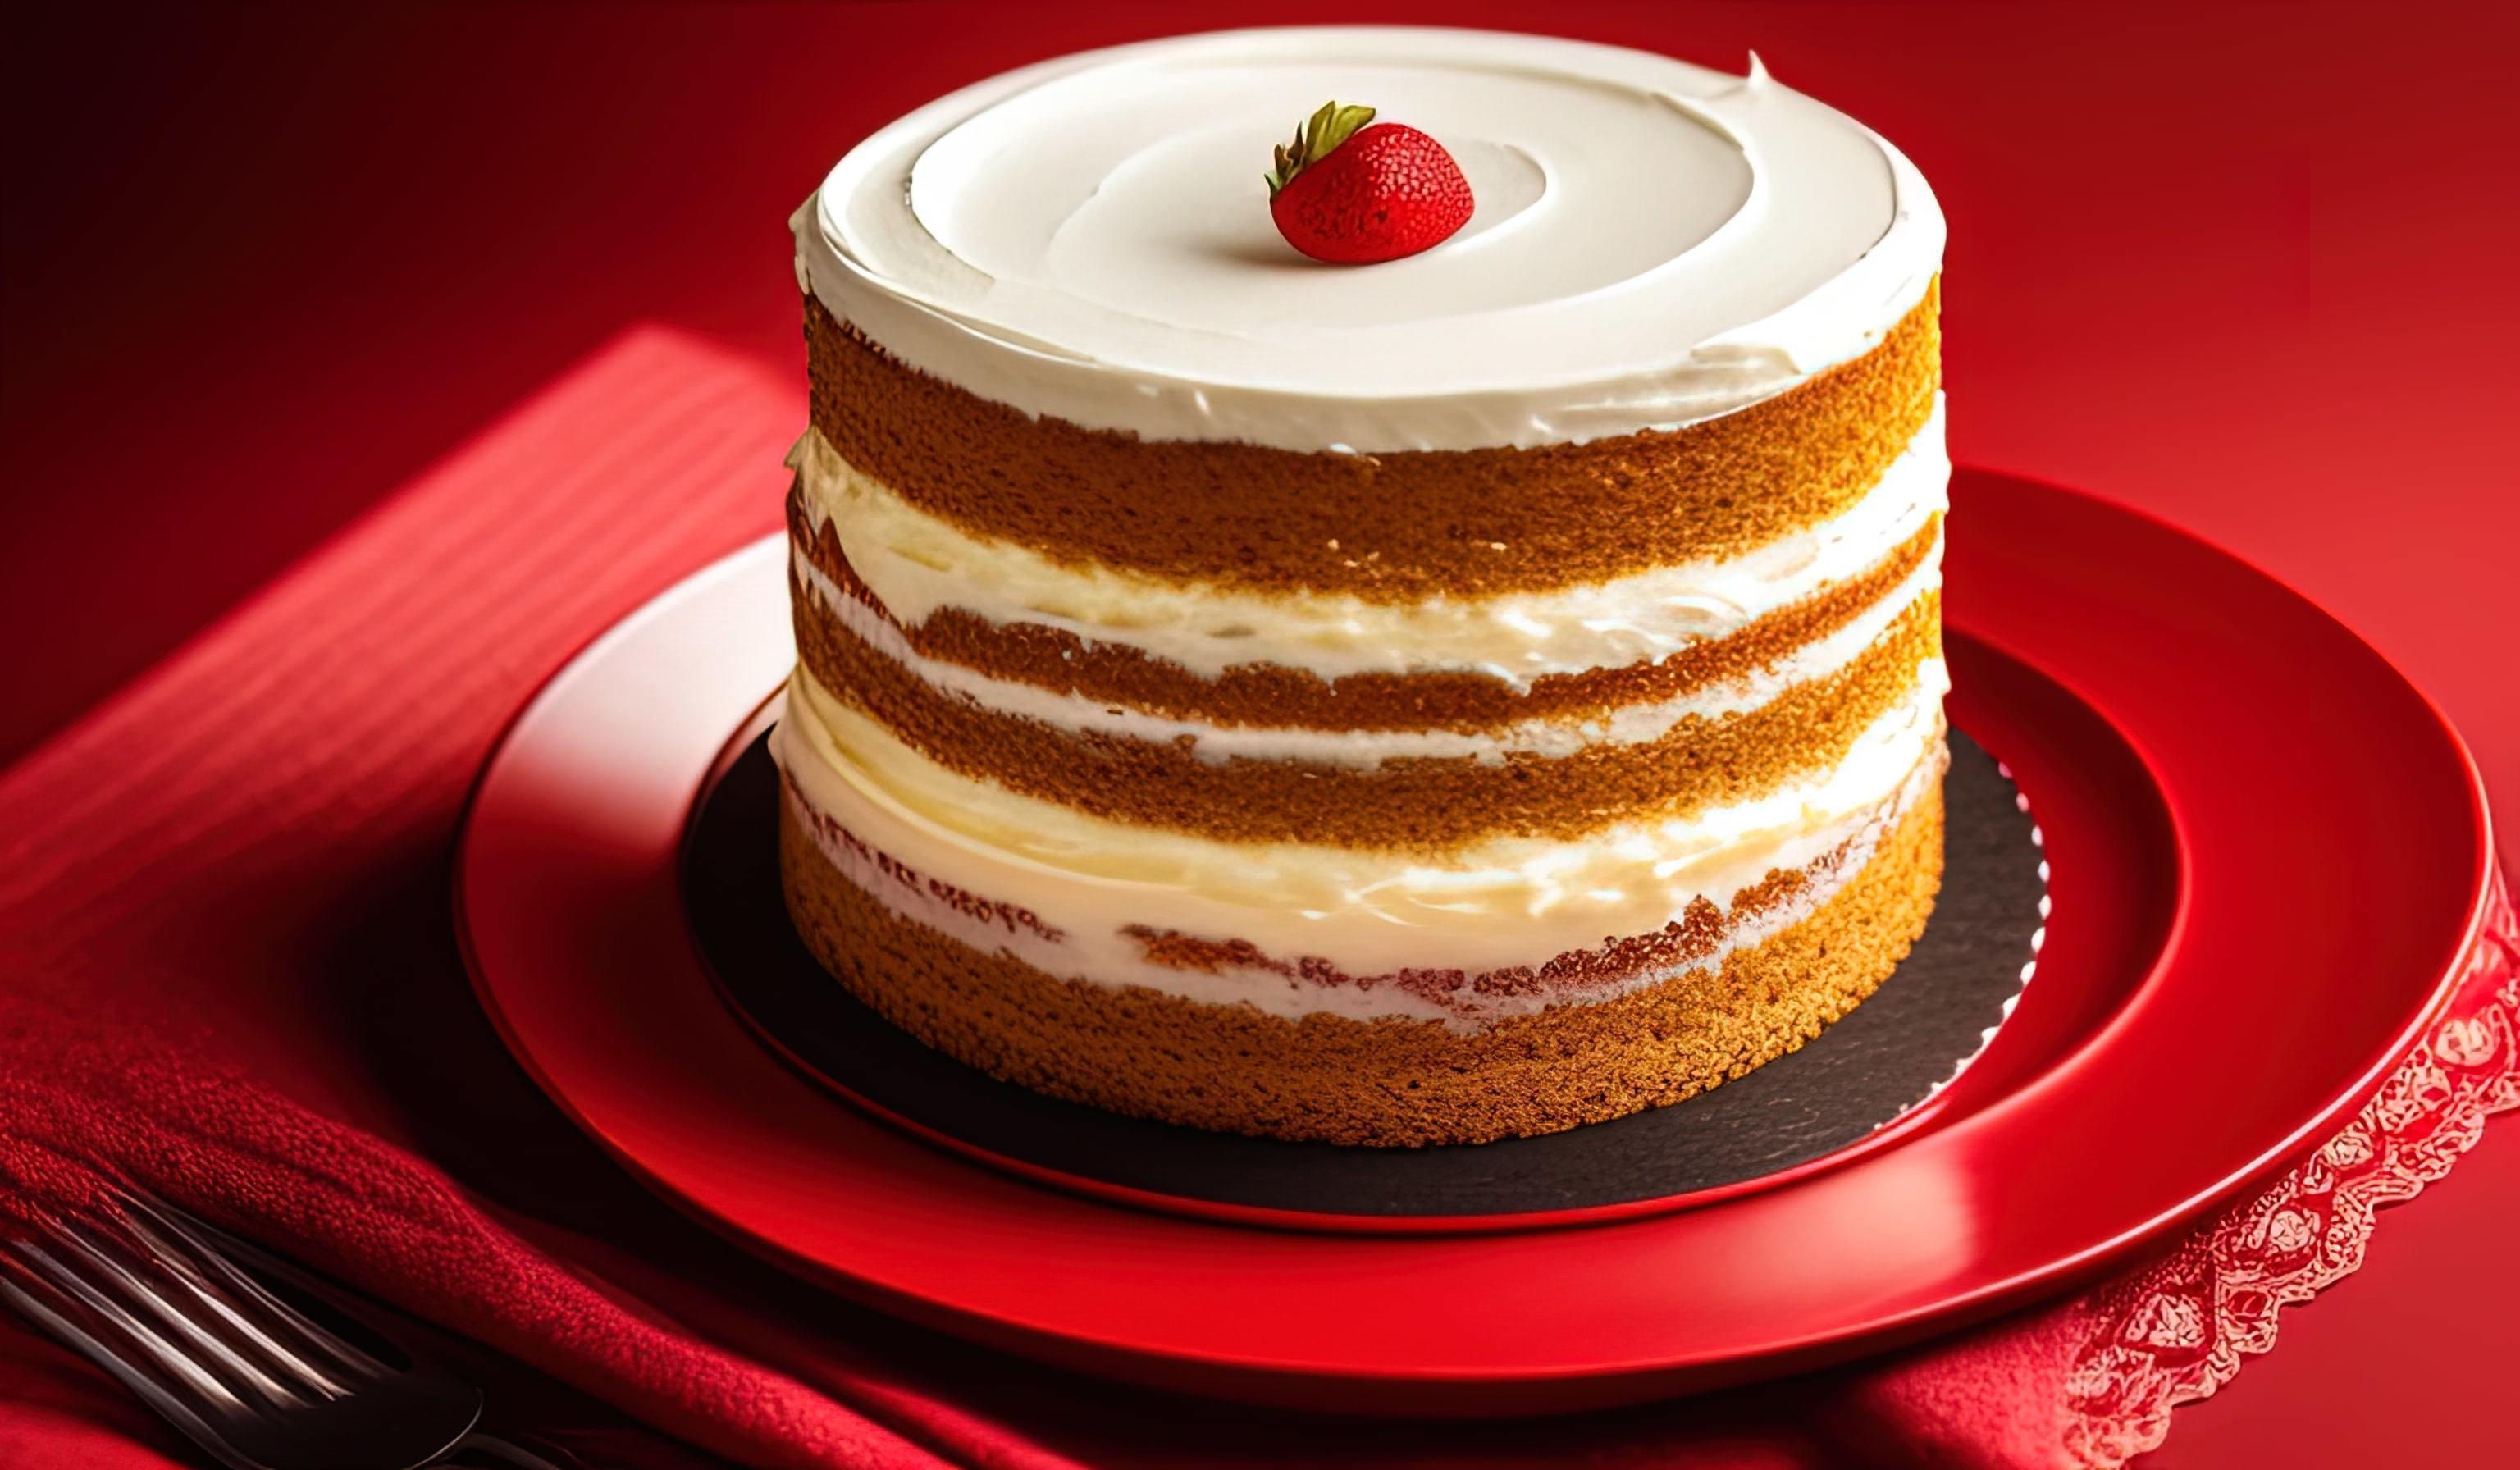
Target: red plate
[(2269, 852)]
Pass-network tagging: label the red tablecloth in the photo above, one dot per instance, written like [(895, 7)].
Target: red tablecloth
[(223, 906)]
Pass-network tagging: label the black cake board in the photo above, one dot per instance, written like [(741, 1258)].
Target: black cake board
[(1884, 1058)]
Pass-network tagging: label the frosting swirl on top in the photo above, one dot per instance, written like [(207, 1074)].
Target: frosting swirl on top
[(1654, 243)]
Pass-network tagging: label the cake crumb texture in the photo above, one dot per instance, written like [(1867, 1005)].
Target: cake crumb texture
[(1389, 1082), (1416, 803), (1387, 527), (1279, 695)]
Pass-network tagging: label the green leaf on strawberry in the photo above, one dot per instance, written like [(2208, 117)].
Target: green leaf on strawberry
[(1314, 138)]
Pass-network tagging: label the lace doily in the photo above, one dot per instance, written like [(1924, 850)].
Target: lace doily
[(2177, 1330)]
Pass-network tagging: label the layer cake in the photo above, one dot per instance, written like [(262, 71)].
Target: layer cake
[(1459, 697)]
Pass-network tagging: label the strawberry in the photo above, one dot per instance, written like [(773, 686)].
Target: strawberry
[(1353, 194)]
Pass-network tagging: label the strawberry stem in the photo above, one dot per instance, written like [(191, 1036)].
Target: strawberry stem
[(1314, 137)]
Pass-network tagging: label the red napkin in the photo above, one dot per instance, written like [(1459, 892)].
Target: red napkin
[(231, 980)]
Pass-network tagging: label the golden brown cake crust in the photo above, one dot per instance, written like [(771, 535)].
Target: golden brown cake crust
[(1414, 803), (1277, 695), (1391, 528), (1387, 1082)]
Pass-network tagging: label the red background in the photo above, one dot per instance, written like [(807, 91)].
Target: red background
[(2254, 268)]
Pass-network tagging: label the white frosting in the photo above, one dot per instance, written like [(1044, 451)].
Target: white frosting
[(1490, 905), (1654, 243), (915, 564), (1627, 725)]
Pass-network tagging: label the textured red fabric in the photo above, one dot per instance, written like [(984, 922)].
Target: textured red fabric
[(232, 979)]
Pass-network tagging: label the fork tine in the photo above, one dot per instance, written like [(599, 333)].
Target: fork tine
[(173, 1286), (171, 1407), (75, 1287), (318, 1354), (149, 1295)]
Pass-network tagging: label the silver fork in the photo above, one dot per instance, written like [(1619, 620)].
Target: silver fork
[(165, 1304)]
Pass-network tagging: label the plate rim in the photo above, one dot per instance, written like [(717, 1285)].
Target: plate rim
[(1597, 1380)]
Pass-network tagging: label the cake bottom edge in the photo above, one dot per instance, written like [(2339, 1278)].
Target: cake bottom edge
[(1389, 1082)]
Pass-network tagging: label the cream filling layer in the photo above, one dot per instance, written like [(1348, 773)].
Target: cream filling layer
[(1627, 725), (1057, 888), (917, 564)]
